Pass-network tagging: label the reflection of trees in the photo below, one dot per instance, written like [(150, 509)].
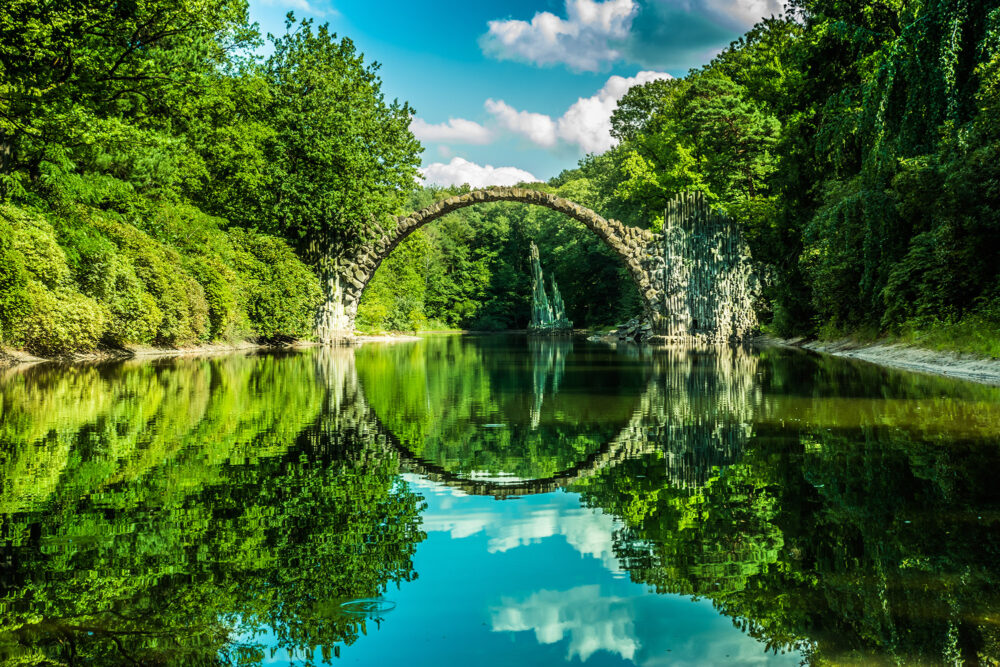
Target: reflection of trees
[(860, 528), (164, 514), (455, 407)]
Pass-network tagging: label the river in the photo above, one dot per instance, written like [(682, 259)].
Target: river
[(498, 500)]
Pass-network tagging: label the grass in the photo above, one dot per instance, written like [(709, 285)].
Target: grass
[(975, 333)]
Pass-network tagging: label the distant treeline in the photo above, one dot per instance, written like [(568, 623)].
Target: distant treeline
[(161, 184)]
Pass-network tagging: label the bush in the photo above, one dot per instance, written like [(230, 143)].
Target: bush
[(282, 294), (58, 322), (104, 274), (35, 240), (489, 323), (88, 273), (13, 281), (179, 297)]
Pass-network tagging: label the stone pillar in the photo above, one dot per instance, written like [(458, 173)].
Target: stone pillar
[(709, 282), (340, 284), (547, 315), (541, 311), (335, 320)]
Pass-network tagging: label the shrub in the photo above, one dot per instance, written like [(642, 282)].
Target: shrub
[(282, 294), (206, 253), (104, 274), (35, 240), (58, 322), (13, 281), (179, 297)]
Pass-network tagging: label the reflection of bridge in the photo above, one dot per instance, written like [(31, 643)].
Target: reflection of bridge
[(694, 416)]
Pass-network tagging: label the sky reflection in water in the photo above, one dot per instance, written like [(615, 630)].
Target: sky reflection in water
[(534, 581)]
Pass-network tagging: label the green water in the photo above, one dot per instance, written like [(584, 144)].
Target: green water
[(498, 501)]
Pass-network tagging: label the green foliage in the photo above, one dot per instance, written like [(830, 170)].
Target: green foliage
[(47, 316), (72, 72), (490, 380), (127, 127), (856, 523), (178, 296), (315, 154), (58, 322), (170, 490), (857, 144), (470, 269), (89, 274), (13, 281), (282, 293)]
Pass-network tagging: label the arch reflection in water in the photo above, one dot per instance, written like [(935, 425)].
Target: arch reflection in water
[(857, 524)]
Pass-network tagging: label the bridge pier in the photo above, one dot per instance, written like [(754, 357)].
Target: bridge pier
[(335, 320)]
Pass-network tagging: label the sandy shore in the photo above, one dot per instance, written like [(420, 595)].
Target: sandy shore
[(951, 364), (387, 338)]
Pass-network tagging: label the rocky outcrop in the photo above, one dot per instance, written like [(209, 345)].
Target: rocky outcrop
[(548, 316)]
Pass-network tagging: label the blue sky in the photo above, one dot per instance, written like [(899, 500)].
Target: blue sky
[(522, 89)]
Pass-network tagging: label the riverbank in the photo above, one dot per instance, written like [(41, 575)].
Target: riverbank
[(963, 366), (10, 357)]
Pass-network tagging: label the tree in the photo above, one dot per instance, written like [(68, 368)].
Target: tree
[(71, 72), (340, 158)]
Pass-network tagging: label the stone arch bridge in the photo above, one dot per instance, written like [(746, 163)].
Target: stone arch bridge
[(694, 278)]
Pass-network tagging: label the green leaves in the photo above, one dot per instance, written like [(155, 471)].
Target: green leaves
[(68, 67), (340, 157)]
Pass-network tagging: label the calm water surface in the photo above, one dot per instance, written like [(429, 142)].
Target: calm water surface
[(498, 501)]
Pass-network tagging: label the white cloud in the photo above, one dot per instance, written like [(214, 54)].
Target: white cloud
[(586, 40), (742, 14), (537, 127), (455, 130), (460, 171), (589, 531), (649, 631), (587, 123), (592, 621)]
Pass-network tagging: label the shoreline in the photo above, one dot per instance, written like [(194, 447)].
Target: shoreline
[(957, 365), (14, 358)]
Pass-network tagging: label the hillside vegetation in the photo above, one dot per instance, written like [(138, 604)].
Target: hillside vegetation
[(856, 143), (160, 184)]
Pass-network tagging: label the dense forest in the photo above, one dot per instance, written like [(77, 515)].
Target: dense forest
[(162, 184)]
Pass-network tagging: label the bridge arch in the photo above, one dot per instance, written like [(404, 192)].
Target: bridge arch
[(348, 277)]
